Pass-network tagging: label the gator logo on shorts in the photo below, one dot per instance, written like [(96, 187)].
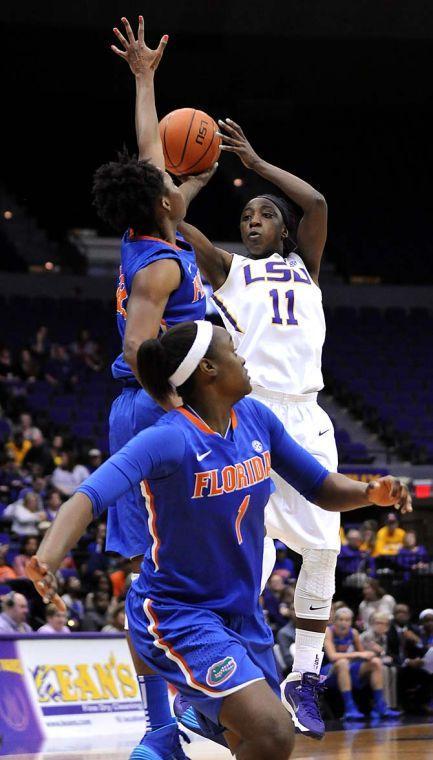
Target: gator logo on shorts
[(221, 671)]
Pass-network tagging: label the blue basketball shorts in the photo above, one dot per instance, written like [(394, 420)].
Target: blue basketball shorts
[(331, 680), (127, 530), (206, 656)]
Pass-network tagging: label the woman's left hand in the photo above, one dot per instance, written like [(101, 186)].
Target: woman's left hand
[(389, 492), (234, 141)]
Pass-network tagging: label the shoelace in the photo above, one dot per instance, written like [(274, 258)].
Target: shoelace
[(313, 691)]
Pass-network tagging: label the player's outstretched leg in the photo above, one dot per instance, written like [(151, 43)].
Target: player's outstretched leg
[(258, 726), (161, 739), (313, 598), (190, 718)]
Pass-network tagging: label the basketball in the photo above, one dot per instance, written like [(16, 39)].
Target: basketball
[(189, 140)]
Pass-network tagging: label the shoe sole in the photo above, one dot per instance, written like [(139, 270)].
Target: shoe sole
[(144, 753), (299, 728)]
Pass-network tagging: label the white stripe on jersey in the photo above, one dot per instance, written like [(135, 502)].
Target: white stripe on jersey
[(274, 312)]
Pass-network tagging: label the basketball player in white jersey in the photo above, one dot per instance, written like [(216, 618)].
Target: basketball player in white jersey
[(271, 303)]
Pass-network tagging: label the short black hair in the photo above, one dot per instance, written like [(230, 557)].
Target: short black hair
[(125, 192)]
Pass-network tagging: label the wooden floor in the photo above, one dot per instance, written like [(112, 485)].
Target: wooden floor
[(399, 742)]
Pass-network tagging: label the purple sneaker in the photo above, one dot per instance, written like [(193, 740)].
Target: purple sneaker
[(188, 716), (162, 744), (299, 695)]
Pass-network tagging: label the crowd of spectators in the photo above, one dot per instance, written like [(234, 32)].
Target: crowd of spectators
[(374, 641), (41, 465)]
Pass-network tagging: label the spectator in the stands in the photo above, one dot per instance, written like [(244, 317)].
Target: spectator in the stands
[(283, 561), (41, 343), (13, 618), (56, 621), (18, 446), (59, 371), (7, 573), (272, 597), (375, 600), (389, 539), (368, 536), (351, 559), (406, 632), (286, 638), (412, 557), (349, 666), (376, 638), (7, 370), (97, 617), (29, 547), (39, 454), (26, 425), (11, 479), (72, 597), (38, 485), (426, 627), (25, 515), (53, 502), (27, 368), (98, 545), (69, 475), (117, 620), (95, 459), (57, 446)]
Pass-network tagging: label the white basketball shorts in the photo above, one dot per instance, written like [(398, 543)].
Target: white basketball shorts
[(289, 517)]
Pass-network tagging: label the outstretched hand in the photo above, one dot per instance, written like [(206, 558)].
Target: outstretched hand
[(389, 492), (202, 178), (44, 582), (141, 58), (234, 141)]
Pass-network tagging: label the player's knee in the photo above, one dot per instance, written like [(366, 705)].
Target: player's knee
[(279, 740), (341, 665), (316, 584), (376, 663)]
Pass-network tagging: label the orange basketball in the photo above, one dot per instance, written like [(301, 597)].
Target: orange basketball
[(189, 140)]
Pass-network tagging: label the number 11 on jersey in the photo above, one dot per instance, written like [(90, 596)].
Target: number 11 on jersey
[(277, 318), (241, 513)]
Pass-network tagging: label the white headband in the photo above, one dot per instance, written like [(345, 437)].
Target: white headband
[(195, 353)]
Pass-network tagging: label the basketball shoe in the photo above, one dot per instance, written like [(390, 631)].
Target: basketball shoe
[(190, 718), (299, 695), (162, 744)]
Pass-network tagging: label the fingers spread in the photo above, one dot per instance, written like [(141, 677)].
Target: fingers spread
[(140, 29), (128, 30), (120, 37), (119, 52)]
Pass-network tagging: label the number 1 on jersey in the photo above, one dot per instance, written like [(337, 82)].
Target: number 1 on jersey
[(277, 319), (241, 512)]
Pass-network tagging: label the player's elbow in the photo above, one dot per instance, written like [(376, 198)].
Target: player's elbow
[(130, 349), (318, 201)]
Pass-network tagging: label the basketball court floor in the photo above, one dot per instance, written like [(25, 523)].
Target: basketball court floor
[(400, 741)]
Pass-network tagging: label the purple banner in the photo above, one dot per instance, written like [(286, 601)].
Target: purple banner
[(20, 730)]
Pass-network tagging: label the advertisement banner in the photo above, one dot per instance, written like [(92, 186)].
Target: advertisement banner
[(80, 685)]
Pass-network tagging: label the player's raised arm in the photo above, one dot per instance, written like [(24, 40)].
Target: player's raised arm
[(214, 263), (151, 289), (143, 62), (312, 229)]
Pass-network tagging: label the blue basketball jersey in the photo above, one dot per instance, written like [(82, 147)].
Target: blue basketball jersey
[(205, 497), (186, 303), (344, 643)]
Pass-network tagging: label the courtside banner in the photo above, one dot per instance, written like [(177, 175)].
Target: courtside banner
[(80, 685)]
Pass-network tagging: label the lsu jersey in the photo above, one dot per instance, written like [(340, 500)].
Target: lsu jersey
[(186, 303), (205, 496), (274, 312)]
